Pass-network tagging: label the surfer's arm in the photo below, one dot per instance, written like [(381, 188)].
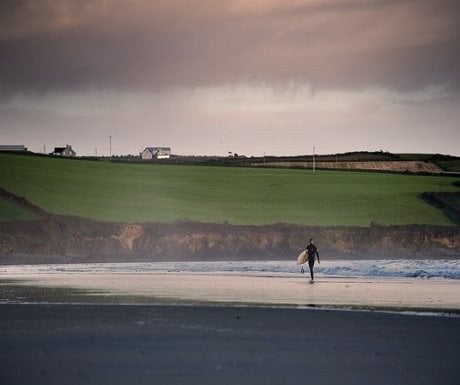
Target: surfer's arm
[(317, 256)]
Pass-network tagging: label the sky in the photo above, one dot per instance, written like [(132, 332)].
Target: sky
[(256, 77)]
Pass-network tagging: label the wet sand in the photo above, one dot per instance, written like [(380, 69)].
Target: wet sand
[(256, 289), (275, 338), (121, 344)]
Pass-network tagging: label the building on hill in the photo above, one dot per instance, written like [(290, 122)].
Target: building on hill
[(13, 147), (156, 153), (64, 151)]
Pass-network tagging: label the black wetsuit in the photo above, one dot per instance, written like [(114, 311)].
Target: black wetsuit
[(312, 252)]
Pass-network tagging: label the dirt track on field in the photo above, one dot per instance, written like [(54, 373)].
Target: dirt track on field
[(394, 166)]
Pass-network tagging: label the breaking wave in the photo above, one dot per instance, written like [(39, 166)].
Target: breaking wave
[(396, 268), (446, 269)]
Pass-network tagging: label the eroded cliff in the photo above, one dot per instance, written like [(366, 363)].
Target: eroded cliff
[(68, 239)]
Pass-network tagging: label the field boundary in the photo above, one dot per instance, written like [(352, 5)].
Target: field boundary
[(23, 203), (448, 202)]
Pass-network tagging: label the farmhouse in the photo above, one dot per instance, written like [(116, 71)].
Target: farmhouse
[(64, 151), (12, 147), (156, 153)]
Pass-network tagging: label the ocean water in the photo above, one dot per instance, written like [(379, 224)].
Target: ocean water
[(401, 268)]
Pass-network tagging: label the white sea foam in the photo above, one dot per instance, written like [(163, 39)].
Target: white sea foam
[(446, 269)]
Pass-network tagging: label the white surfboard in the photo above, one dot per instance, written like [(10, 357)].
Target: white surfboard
[(302, 258)]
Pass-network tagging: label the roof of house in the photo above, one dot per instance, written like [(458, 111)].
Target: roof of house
[(12, 146), (156, 149), (58, 150)]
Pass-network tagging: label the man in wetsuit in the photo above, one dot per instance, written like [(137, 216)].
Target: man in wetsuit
[(312, 252)]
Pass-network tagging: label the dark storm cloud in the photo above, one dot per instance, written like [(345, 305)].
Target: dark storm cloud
[(144, 45)]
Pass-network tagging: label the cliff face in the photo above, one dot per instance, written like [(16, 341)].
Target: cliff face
[(66, 239)]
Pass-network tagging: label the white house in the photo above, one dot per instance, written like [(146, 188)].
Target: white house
[(64, 151), (156, 153)]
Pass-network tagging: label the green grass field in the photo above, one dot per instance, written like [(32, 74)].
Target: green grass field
[(165, 193)]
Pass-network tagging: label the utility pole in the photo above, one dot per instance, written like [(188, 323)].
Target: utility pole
[(314, 165), (110, 145)]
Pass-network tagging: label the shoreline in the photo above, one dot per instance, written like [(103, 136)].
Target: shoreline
[(237, 289), (122, 302)]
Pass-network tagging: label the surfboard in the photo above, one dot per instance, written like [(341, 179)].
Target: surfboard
[(302, 258)]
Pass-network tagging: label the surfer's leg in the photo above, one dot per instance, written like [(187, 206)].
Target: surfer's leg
[(310, 265)]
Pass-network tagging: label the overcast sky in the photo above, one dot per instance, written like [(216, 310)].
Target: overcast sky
[(252, 77)]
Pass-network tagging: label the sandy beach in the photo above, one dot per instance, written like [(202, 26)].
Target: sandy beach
[(250, 288)]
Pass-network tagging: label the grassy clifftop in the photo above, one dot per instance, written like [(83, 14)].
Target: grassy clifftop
[(166, 193)]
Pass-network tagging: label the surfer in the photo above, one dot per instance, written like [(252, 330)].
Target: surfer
[(312, 252)]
